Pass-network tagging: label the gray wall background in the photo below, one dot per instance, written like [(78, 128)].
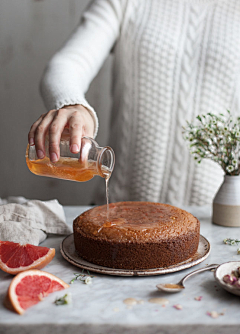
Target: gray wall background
[(30, 32)]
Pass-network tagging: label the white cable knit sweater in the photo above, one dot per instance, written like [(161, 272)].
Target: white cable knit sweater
[(173, 60)]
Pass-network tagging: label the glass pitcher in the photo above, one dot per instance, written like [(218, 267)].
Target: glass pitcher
[(83, 166)]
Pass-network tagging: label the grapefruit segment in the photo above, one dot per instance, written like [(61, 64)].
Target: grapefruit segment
[(30, 287), (15, 258)]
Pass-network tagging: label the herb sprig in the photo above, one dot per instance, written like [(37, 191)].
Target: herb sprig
[(232, 242), (85, 278), (66, 299)]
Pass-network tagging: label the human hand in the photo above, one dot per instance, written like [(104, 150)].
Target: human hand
[(76, 118)]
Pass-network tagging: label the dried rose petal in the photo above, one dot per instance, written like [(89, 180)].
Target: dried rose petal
[(199, 298), (229, 279), (236, 284), (213, 314), (178, 307), (236, 273)]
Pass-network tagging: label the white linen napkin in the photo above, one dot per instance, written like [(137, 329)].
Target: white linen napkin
[(29, 221)]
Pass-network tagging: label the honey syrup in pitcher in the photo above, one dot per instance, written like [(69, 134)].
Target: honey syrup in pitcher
[(83, 166), (67, 169)]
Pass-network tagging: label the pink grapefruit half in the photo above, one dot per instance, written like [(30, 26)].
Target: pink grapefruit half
[(30, 287), (15, 258)]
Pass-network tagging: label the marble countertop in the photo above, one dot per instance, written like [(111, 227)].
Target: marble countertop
[(99, 307)]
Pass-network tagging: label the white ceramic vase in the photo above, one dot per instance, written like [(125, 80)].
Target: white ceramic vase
[(226, 204)]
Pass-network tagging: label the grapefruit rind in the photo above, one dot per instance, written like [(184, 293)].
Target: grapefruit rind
[(37, 264), (13, 297)]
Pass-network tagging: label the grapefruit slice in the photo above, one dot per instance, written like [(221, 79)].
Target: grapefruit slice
[(15, 258), (30, 287)]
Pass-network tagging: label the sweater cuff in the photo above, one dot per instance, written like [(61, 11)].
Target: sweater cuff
[(84, 103)]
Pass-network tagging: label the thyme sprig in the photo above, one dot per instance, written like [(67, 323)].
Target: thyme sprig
[(231, 242), (85, 278), (66, 299), (216, 137)]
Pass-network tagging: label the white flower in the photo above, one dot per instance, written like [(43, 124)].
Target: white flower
[(209, 141), (88, 280), (230, 168), (237, 134), (214, 139), (234, 161), (68, 298)]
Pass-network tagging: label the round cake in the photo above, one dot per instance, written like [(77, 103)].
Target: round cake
[(136, 235)]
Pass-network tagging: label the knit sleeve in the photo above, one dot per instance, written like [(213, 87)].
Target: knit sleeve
[(71, 70)]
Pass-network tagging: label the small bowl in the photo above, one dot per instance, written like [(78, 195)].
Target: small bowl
[(226, 269)]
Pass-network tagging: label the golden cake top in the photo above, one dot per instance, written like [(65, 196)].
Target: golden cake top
[(136, 221)]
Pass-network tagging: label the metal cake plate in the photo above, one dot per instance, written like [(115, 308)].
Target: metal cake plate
[(67, 249)]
